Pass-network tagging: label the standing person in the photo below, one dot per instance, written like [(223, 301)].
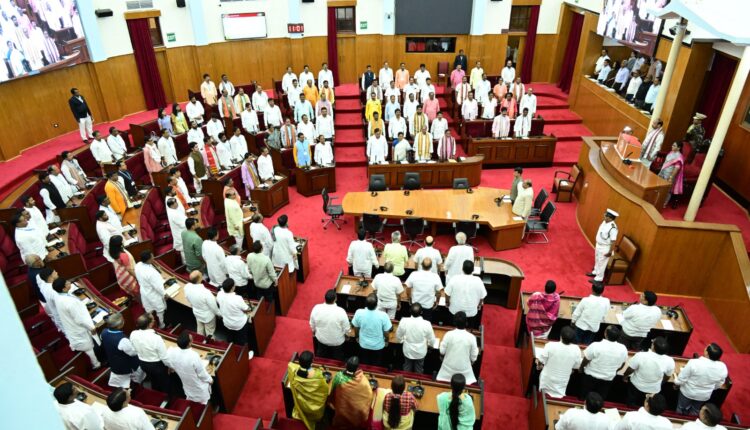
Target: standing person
[(208, 90), (633, 85), (234, 311), (476, 75), (430, 106), (176, 216), (190, 369), (29, 240), (151, 352), (377, 148), (226, 85), (399, 406), (557, 361), (82, 114), (457, 254), (465, 293), (588, 418), (284, 246), (639, 319), (647, 417), (606, 237), (396, 254), (122, 358), (647, 370), (428, 251), (192, 246), (522, 126), (601, 361), (469, 108), (263, 273), (425, 287), (213, 255), (234, 216), (508, 74), (542, 311), (329, 324), (416, 336), (528, 101), (203, 303), (197, 166), (696, 133), (402, 77), (517, 183), (302, 151), (456, 408), (121, 415), (589, 314), (100, 150), (309, 390), (367, 77), (124, 265), (237, 270), (461, 60), (421, 76), (709, 418), (457, 75), (77, 325), (259, 232), (385, 76), (323, 152), (361, 256), (600, 61), (287, 79), (396, 125), (459, 351), (195, 111), (524, 200), (673, 171), (698, 380), (75, 414), (371, 327), (439, 126), (388, 289), (306, 75), (652, 143), (241, 102), (153, 294), (324, 125), (462, 90)]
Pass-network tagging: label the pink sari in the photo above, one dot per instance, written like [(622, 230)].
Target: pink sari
[(678, 163)]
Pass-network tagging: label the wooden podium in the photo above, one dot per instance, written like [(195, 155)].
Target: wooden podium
[(431, 174), (272, 198), (635, 177), (312, 181), (513, 151)]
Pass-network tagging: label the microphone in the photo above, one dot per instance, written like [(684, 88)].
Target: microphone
[(626, 160)]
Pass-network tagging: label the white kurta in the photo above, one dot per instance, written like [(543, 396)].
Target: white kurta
[(196, 135), (396, 125), (323, 154), (79, 416), (361, 256), (260, 101), (105, 231), (167, 150), (454, 262), (224, 152), (385, 76), (152, 287), (31, 241), (559, 361), (100, 150), (177, 220), (508, 74), (501, 126), (117, 146), (76, 322), (129, 418), (214, 256), (37, 220), (528, 101), (250, 121), (213, 128), (195, 112), (470, 109), (265, 167), (377, 149), (439, 127), (238, 146), (459, 350), (284, 249), (192, 372), (260, 232), (522, 126)]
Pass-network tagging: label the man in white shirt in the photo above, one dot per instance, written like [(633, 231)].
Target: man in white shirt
[(224, 152), (284, 246), (410, 88), (196, 135), (528, 101), (249, 119), (260, 232), (589, 314), (302, 109), (501, 124), (391, 107), (306, 75), (425, 287), (325, 74), (483, 90), (508, 74), (698, 380), (647, 370), (708, 419), (151, 352), (272, 114), (105, 231), (292, 94), (237, 270), (416, 336), (439, 127), (203, 303), (397, 124), (392, 94), (470, 108), (647, 417), (234, 311), (603, 74), (167, 148), (265, 165), (428, 251), (388, 288), (36, 217), (410, 107), (621, 78), (72, 171), (556, 362), (458, 253), (330, 325), (522, 126), (287, 79), (385, 76), (323, 152), (100, 150), (421, 76), (153, 294), (75, 320), (601, 361), (196, 382), (639, 319), (652, 142), (377, 148), (214, 256), (121, 415), (466, 293), (426, 90), (116, 143), (29, 240), (214, 127), (590, 417), (600, 61), (324, 125), (459, 350), (238, 145), (651, 94), (195, 111), (260, 99), (75, 414), (226, 84), (524, 200), (402, 148), (633, 85)]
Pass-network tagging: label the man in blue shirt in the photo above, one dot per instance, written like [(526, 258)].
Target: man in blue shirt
[(301, 151), (372, 327)]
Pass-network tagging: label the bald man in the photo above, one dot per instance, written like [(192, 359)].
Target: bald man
[(203, 303)]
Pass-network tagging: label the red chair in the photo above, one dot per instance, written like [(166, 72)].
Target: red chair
[(11, 265), (156, 202), (442, 73), (162, 242), (210, 218), (147, 396), (92, 252)]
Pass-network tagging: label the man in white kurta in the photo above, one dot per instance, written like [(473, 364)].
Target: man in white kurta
[(260, 99), (606, 236), (559, 359), (459, 350), (385, 76), (116, 143), (402, 148), (325, 74), (260, 232), (177, 220), (470, 108), (361, 256), (36, 217), (195, 111), (323, 152), (238, 145), (272, 114), (589, 418), (458, 253), (75, 320), (249, 119), (377, 148), (522, 125), (74, 413), (29, 240), (105, 231), (286, 80), (652, 143), (501, 124), (284, 246), (190, 368), (167, 148), (214, 256), (153, 295), (439, 126), (214, 127), (508, 74), (306, 75), (100, 150), (396, 125), (528, 101)]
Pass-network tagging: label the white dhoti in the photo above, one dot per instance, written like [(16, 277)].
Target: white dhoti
[(600, 261), (86, 126)]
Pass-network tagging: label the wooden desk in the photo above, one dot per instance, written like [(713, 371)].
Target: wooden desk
[(303, 259), (271, 196), (513, 151), (427, 410), (444, 206), (139, 132), (636, 177), (678, 335), (483, 128), (431, 175), (79, 212), (313, 180)]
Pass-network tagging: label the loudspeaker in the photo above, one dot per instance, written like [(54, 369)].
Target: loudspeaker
[(103, 13), (308, 1), (180, 3)]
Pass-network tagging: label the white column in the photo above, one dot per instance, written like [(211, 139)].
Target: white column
[(666, 78), (730, 105)]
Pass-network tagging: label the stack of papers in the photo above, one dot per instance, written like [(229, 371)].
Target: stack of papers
[(54, 230), (441, 302), (346, 288), (277, 177), (477, 270), (99, 317), (131, 240), (90, 183), (667, 325), (54, 242), (173, 290), (436, 345), (517, 218)]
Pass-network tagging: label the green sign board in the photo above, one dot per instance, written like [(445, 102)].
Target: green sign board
[(363, 25), (171, 37)]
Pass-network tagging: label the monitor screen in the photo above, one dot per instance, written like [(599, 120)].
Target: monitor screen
[(239, 26), (631, 23), (37, 37)]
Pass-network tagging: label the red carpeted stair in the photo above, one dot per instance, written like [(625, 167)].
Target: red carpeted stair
[(348, 105), (350, 137)]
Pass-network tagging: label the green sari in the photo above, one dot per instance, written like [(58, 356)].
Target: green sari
[(310, 395)]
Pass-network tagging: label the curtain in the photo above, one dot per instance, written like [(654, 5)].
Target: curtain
[(333, 50), (528, 55), (571, 52), (145, 60), (715, 92)]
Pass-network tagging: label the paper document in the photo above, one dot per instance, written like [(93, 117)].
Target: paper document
[(506, 198), (441, 302), (174, 290), (517, 218), (477, 269), (86, 301), (247, 219), (346, 288), (436, 345), (619, 318), (404, 162), (54, 242), (99, 317), (54, 230), (667, 325), (131, 240), (613, 414)]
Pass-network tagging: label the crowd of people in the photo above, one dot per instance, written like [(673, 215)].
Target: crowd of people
[(637, 78)]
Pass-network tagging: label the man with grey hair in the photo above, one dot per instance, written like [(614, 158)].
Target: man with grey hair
[(524, 200), (238, 271), (396, 254), (458, 253), (123, 360), (388, 289), (203, 303)]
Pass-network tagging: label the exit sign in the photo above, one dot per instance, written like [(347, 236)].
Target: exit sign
[(363, 25), (295, 28), (171, 37)]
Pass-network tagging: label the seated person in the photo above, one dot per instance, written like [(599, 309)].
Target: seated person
[(351, 397), (309, 390)]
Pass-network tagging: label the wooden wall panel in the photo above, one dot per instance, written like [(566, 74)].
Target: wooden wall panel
[(563, 32), (544, 57), (170, 95), (119, 86), (605, 113), (183, 70), (733, 169)]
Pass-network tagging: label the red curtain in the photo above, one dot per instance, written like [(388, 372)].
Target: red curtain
[(145, 60), (333, 49), (715, 92), (528, 55), (571, 52)]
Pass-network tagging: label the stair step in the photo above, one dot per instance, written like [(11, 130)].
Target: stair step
[(350, 137), (350, 156), (348, 120), (347, 91), (348, 105)]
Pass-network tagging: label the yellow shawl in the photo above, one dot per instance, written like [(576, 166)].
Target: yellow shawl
[(310, 395)]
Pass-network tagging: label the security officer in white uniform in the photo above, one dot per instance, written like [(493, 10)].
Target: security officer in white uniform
[(605, 245)]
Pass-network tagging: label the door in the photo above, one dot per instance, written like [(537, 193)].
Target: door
[(347, 48)]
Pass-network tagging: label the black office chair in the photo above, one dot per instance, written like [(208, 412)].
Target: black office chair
[(538, 203), (540, 226), (469, 228), (373, 225), (460, 183), (413, 229), (412, 181), (377, 183), (334, 212)]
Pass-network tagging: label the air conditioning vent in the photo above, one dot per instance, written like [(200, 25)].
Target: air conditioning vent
[(139, 4)]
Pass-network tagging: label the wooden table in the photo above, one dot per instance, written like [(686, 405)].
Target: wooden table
[(271, 196), (427, 411), (513, 151), (636, 177), (444, 206), (314, 180), (431, 175), (677, 335)]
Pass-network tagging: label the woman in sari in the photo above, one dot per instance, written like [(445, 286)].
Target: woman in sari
[(178, 120), (456, 408), (351, 397), (309, 390), (124, 264), (672, 171), (399, 406)]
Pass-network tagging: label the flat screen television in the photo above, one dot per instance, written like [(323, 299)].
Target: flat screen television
[(239, 26), (631, 23)]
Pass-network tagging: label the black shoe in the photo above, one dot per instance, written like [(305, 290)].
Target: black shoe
[(590, 274), (594, 281)]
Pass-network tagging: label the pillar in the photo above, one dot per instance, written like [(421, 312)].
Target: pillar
[(295, 16), (727, 112), (477, 18), (91, 28), (661, 97), (198, 20)]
